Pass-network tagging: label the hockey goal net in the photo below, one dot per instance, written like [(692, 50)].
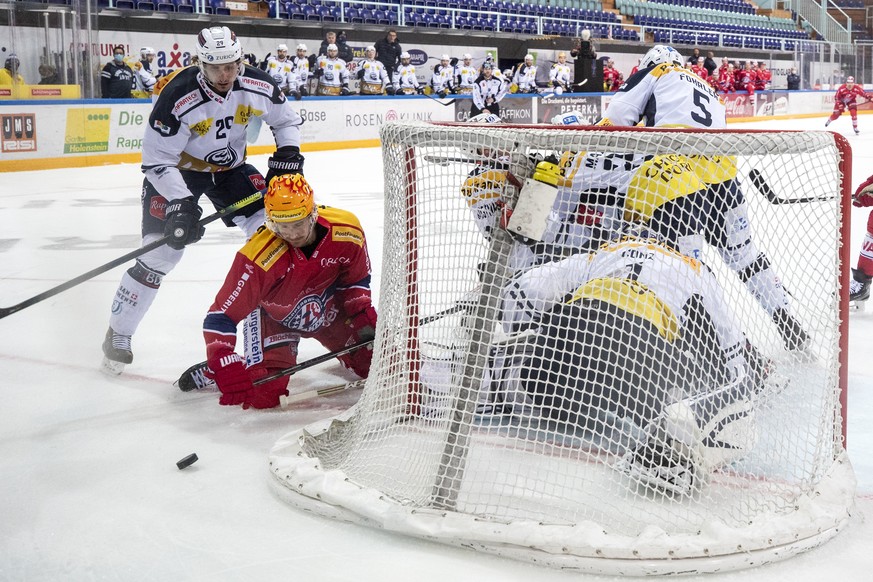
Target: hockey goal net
[(519, 404)]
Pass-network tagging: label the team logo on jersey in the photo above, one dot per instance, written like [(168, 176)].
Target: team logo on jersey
[(308, 314), (223, 157), (201, 128), (245, 113)]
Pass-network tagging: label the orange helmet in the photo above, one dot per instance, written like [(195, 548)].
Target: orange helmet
[(288, 199)]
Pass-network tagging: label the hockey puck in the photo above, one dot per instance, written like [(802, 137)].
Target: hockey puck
[(187, 461)]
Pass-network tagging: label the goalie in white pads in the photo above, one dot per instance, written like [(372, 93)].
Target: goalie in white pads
[(635, 346)]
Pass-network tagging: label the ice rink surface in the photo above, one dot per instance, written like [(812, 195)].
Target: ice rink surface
[(90, 488)]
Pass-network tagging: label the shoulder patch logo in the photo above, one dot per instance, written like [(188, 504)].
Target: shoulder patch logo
[(201, 128), (347, 234)]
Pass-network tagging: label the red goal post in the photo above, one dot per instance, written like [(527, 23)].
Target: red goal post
[(443, 443)]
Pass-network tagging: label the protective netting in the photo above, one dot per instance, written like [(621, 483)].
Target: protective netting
[(651, 373)]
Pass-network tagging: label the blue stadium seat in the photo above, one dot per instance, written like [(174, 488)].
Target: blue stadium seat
[(219, 8), (185, 6)]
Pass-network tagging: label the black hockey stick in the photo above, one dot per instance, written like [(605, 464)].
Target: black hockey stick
[(194, 377), (4, 311), (772, 197), (438, 100)]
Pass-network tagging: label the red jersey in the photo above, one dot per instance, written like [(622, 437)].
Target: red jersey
[(745, 80), (612, 79), (700, 71), (847, 96), (302, 293), (762, 79), (726, 81)]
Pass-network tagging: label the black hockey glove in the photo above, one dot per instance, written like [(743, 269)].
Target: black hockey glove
[(442, 94), (265, 62), (360, 74), (297, 95), (345, 91), (251, 59), (181, 225), (319, 73), (419, 90), (389, 90), (286, 160)]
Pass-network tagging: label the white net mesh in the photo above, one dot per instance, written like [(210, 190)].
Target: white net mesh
[(594, 396)]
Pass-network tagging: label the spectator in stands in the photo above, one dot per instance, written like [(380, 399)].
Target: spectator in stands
[(48, 75), (116, 78), (695, 54), (344, 51), (388, 51), (709, 64), (9, 73), (793, 80)]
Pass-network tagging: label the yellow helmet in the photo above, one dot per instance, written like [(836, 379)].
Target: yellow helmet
[(288, 199)]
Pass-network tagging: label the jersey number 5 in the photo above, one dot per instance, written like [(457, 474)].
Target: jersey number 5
[(701, 100)]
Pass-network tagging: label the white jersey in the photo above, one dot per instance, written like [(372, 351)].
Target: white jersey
[(334, 75), (191, 127), (488, 91), (280, 70), (442, 78), (373, 77), (300, 73), (144, 78), (666, 96), (634, 274), (465, 76), (405, 80), (525, 78), (560, 73)]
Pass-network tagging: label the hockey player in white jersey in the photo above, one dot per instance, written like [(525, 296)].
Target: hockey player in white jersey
[(465, 75), (442, 82), (195, 144), (525, 78), (279, 67), (372, 74), (332, 73), (560, 74), (301, 72), (143, 75), (404, 79), (709, 205), (635, 346)]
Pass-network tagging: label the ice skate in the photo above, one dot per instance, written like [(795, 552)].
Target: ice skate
[(116, 352), (859, 290)]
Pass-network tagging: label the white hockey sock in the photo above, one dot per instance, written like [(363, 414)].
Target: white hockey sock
[(132, 301)]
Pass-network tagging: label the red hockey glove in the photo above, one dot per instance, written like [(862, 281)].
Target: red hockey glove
[(265, 395), (363, 324), (232, 378), (864, 194)]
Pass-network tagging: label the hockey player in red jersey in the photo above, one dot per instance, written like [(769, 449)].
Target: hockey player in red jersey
[(305, 274), (745, 79), (846, 97), (859, 286)]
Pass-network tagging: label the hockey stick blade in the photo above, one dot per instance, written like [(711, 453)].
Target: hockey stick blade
[(195, 377), (6, 311), (772, 197), (286, 401), (438, 100)]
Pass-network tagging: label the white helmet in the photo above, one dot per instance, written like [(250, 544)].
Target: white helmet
[(467, 56), (485, 118), (218, 45), (146, 51), (445, 58), (332, 47), (661, 54), (569, 118), (404, 55), (370, 48), (528, 57), (282, 47), (302, 47)]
